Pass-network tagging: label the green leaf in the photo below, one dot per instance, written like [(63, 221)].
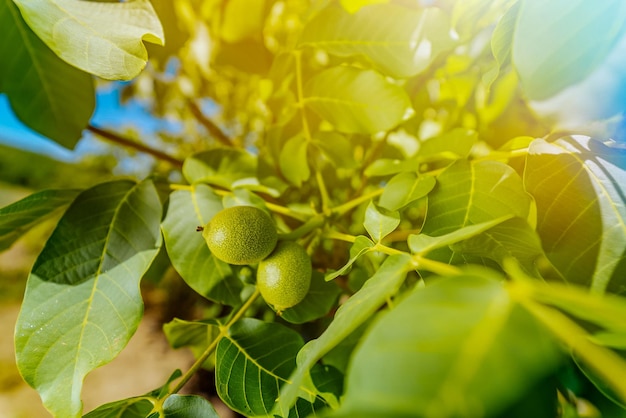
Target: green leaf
[(82, 301), (513, 238), (558, 43), (579, 187), (137, 407), (471, 16), (20, 216), (188, 406), (356, 101), (422, 243), (405, 43), (52, 97), (222, 167), (453, 145), (188, 251), (358, 309), (469, 193), (361, 245), (405, 188), (502, 41), (104, 39), (380, 222), (252, 362), (181, 333), (337, 148), (293, 160), (476, 348), (319, 300)]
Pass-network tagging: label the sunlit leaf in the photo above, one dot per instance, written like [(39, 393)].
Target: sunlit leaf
[(404, 188), (348, 317), (188, 251), (422, 243), (579, 186), (20, 216), (404, 42), (558, 43), (101, 38), (474, 352), (380, 222), (82, 301), (471, 16), (188, 406), (502, 41), (253, 362), (454, 144), (293, 160), (319, 300), (47, 94), (361, 245), (356, 101), (222, 167), (352, 6), (469, 193)]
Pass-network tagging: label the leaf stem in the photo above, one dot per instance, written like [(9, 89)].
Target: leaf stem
[(342, 209), (125, 142), (209, 350)]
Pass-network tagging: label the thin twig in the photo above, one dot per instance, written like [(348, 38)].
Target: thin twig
[(120, 140), (213, 129)]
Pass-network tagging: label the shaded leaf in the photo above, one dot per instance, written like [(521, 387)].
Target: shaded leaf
[(138, 407), (52, 97), (319, 300), (188, 252), (356, 101), (361, 245), (188, 406), (380, 222), (469, 328), (469, 193), (293, 160), (579, 186), (223, 167), (104, 39), (405, 188), (558, 43), (182, 333), (82, 301), (358, 309), (404, 43), (252, 363), (22, 215), (337, 148), (513, 238)]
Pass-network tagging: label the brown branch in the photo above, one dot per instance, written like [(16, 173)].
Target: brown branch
[(120, 140), (213, 129)]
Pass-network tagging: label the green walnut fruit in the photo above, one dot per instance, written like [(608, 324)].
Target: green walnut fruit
[(241, 235), (284, 277)]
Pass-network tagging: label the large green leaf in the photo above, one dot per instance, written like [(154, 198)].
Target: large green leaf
[(404, 188), (380, 222), (356, 101), (252, 363), (469, 193), (580, 187), (188, 252), (20, 216), (47, 94), (358, 309), (82, 301), (101, 38), (558, 43), (471, 352), (405, 41)]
